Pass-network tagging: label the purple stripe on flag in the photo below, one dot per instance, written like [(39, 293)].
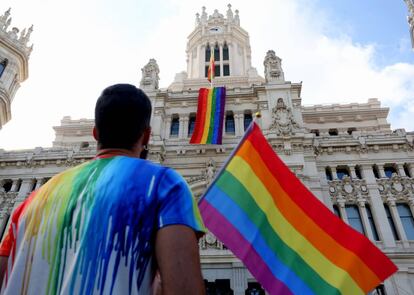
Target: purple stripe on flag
[(241, 248)]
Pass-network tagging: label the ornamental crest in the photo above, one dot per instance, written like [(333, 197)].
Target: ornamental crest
[(283, 121), (150, 76), (273, 67)]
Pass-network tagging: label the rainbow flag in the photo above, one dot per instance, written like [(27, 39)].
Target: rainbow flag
[(208, 127), (284, 235), (211, 67)]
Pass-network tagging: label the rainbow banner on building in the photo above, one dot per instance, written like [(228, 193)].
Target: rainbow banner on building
[(208, 127), (290, 241)]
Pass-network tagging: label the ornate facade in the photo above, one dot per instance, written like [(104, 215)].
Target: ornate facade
[(410, 18), (14, 57), (347, 155)]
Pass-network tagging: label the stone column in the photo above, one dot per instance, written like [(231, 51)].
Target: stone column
[(411, 204), (185, 119), (25, 189), (230, 46), (353, 174), (221, 59), (411, 169), (238, 282), (39, 183), (167, 127), (14, 185), (381, 171), (377, 208), (365, 221), (341, 205), (237, 123), (181, 127), (397, 221), (241, 124), (334, 175), (401, 171)]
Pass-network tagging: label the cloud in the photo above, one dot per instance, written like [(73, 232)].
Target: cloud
[(81, 47)]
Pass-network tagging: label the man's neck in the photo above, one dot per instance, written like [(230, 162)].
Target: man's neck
[(111, 152)]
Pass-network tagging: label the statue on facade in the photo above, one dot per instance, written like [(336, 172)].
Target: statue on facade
[(150, 75), (273, 67), (229, 13), (210, 171), (283, 121), (5, 20)]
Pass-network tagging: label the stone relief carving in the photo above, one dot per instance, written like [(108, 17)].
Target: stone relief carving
[(209, 241), (283, 121), (348, 190), (150, 75), (273, 67), (396, 187)]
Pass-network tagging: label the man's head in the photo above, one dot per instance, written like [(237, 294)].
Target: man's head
[(122, 117)]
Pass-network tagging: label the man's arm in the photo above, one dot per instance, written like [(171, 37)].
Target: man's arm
[(176, 250), (3, 267)]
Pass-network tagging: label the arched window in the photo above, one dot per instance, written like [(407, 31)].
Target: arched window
[(208, 53), (230, 128), (391, 222), (216, 53), (407, 170), (407, 220), (247, 120), (33, 185), (354, 218), (328, 173), (225, 52), (341, 172), (191, 124), (389, 170), (333, 132), (7, 185), (375, 170), (358, 172), (175, 126), (3, 65), (372, 223)]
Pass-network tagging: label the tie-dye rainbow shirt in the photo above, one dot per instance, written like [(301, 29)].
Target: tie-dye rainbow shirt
[(91, 229)]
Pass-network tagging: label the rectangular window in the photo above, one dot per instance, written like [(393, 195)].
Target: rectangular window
[(191, 124), (217, 71), (342, 172), (175, 127), (230, 129), (372, 223), (247, 120), (354, 218), (336, 211), (206, 72), (391, 222), (216, 53), (406, 220), (226, 70)]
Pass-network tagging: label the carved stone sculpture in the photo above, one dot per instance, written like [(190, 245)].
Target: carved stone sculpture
[(273, 67), (150, 75), (210, 171), (283, 121)]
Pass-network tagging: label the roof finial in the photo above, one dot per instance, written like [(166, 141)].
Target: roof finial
[(229, 13), (237, 18)]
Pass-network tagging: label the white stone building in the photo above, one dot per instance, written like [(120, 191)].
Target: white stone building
[(14, 58), (346, 154), (410, 18)]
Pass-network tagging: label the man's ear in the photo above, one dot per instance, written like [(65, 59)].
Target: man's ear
[(95, 133), (146, 136)]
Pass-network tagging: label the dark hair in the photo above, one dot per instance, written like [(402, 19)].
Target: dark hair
[(122, 113)]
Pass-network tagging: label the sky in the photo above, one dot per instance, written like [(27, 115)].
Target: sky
[(343, 51)]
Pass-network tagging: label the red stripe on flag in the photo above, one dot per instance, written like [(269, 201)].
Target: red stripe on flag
[(200, 116)]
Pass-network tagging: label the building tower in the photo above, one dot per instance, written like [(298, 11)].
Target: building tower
[(14, 68), (410, 18)]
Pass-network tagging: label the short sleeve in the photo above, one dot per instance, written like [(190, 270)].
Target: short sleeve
[(176, 203)]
